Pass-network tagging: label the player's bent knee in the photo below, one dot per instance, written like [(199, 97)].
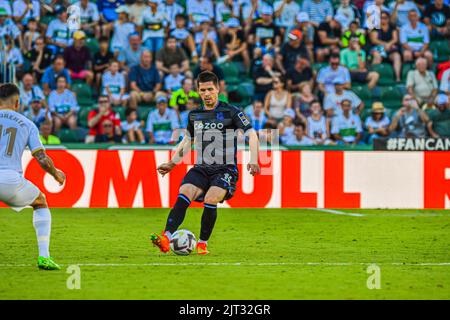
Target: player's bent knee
[(190, 191), (40, 202)]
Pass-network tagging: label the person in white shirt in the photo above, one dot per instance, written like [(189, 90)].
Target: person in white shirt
[(26, 9), (285, 12), (12, 54), (58, 34), (122, 29), (400, 10), (286, 126), (114, 85), (318, 126), (173, 81), (171, 9), (346, 128), (415, 39), (152, 24), (162, 122), (131, 127), (445, 82), (89, 17), (299, 137), (199, 10), (63, 105), (372, 13), (332, 101), (29, 91)]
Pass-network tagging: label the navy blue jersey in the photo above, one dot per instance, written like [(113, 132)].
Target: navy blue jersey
[(215, 132)]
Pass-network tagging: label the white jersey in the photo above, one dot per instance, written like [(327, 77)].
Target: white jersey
[(16, 133), (115, 82), (317, 129)]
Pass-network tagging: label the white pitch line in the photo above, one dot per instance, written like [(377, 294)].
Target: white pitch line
[(239, 264), (342, 213)]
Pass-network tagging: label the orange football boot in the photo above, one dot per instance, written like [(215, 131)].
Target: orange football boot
[(201, 248), (162, 242)]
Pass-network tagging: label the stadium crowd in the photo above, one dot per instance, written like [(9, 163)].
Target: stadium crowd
[(321, 71)]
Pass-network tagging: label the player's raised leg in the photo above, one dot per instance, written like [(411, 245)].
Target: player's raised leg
[(187, 193), (212, 198)]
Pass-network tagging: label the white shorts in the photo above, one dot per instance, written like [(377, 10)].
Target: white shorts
[(16, 191)]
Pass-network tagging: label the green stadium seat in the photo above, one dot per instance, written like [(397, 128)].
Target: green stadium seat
[(83, 116), (93, 45), (120, 111), (318, 66), (68, 135), (405, 69), (231, 72), (143, 113), (391, 97), (386, 72), (83, 93), (440, 50)]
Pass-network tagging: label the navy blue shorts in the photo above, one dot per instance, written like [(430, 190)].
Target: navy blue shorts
[(225, 178)]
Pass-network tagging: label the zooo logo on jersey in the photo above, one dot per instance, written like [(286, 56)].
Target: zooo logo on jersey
[(199, 125)]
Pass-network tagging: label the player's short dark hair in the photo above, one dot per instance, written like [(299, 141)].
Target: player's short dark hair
[(207, 76), (8, 90)]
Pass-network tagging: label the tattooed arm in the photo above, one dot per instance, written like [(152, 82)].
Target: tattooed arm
[(47, 164)]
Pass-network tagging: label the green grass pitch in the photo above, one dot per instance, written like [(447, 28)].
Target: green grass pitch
[(255, 254)]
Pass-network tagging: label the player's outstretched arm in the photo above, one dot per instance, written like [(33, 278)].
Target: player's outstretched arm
[(182, 148), (47, 164), (253, 142)]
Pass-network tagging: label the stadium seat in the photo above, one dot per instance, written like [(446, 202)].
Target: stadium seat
[(386, 72), (83, 93), (363, 92), (391, 97), (440, 50), (68, 135), (231, 72), (93, 45), (318, 66), (405, 69), (143, 113), (83, 116), (120, 111)]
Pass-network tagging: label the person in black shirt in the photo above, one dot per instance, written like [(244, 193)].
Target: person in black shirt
[(300, 72), (265, 35), (234, 41), (212, 130), (102, 59), (437, 19), (40, 57), (327, 38), (291, 50), (263, 77)]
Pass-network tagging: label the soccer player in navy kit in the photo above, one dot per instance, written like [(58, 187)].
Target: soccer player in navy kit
[(212, 128)]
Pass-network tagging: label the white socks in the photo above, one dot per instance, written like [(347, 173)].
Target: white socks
[(42, 221)]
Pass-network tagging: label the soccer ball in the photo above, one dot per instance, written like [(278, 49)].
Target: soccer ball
[(182, 242)]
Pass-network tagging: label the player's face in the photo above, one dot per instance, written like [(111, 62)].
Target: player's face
[(209, 93)]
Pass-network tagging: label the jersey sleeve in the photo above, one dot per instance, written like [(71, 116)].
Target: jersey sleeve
[(34, 142), (241, 120)]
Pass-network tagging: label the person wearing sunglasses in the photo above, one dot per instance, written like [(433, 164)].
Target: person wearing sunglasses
[(98, 117)]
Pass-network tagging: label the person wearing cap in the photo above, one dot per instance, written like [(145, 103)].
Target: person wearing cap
[(308, 31), (89, 17), (78, 58), (354, 58), (318, 10), (328, 38), (26, 9), (234, 42), (206, 39), (226, 10), (37, 113), (299, 137), (265, 35), (439, 124), (285, 12), (58, 34), (332, 101), (292, 50), (198, 10), (286, 126), (377, 124), (409, 121), (346, 127), (122, 29), (151, 25), (162, 122), (30, 91)]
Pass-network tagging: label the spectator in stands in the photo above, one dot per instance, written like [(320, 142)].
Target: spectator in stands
[(439, 124), (206, 39), (30, 91), (78, 59), (377, 124), (109, 134), (173, 81), (318, 126), (30, 36), (151, 25), (198, 9), (131, 128), (445, 82), (277, 100), (286, 126), (256, 114), (385, 45), (89, 18), (114, 85), (107, 10), (301, 101), (169, 55), (46, 137), (265, 36), (299, 138), (297, 73), (8, 27), (11, 54), (354, 58), (225, 10), (24, 10), (234, 42), (184, 37), (40, 58), (97, 118), (162, 122), (415, 39), (52, 73), (179, 98), (6, 8), (437, 19), (353, 32), (327, 38), (122, 29), (372, 10), (400, 10), (318, 10), (102, 59), (286, 12), (350, 12), (206, 63), (328, 74), (58, 33), (332, 102), (171, 8), (346, 127), (63, 105), (37, 113), (130, 55), (264, 76), (136, 9), (421, 83), (308, 32), (144, 81), (291, 51), (409, 121)]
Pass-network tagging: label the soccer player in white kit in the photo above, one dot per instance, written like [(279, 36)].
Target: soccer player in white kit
[(16, 133)]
